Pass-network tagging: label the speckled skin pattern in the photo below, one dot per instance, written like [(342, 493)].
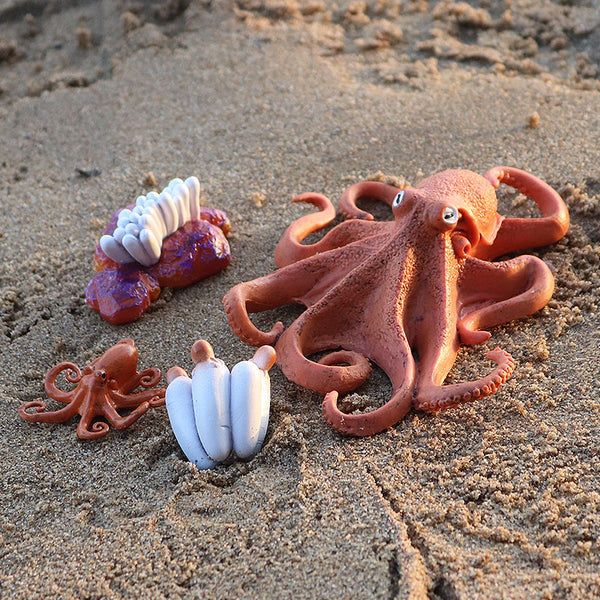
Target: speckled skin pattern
[(122, 293), (405, 293), (104, 387)]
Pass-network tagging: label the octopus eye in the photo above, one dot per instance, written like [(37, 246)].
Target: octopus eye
[(398, 199), (450, 215)]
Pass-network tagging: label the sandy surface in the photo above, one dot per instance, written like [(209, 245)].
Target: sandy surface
[(268, 99)]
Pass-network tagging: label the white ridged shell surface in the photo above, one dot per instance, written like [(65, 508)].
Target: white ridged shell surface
[(180, 409), (250, 405), (211, 393), (141, 231)]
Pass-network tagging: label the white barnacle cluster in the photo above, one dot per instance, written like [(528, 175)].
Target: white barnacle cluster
[(217, 411), (140, 231)]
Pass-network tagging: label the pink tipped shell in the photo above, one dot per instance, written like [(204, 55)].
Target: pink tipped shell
[(202, 351), (175, 372), (264, 357)]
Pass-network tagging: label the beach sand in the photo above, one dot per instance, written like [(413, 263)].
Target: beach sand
[(263, 100)]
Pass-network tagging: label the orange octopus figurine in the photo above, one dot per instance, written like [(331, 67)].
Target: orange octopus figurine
[(104, 386), (404, 293)]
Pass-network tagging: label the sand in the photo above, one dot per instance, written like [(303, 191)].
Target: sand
[(263, 100)]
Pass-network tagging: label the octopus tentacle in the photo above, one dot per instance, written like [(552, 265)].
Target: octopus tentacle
[(155, 397), (120, 422), (343, 370), (502, 292), (434, 398), (238, 303), (50, 416), (149, 377), (520, 234), (397, 361), (366, 189), (87, 430), (72, 375), (290, 249), (291, 284), (370, 423)]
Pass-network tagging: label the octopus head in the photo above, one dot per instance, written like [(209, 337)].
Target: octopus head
[(458, 202), (118, 365)]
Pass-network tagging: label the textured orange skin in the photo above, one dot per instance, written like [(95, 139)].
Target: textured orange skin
[(405, 293), (104, 386)]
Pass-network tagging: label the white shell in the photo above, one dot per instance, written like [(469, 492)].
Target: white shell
[(210, 388), (193, 186), (159, 215), (215, 411), (180, 409), (133, 245), (250, 405), (112, 248)]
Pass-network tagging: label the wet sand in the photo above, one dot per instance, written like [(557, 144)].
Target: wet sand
[(266, 100)]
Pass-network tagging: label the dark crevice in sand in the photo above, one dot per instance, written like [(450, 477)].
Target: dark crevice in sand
[(443, 590), (395, 573), (412, 573)]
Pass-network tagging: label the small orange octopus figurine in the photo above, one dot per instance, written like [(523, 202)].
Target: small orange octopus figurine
[(104, 386), (403, 293)]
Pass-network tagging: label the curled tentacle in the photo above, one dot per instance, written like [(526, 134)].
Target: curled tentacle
[(87, 430), (368, 423), (290, 249), (526, 286), (342, 370), (435, 399), (399, 364), (520, 234), (366, 189), (149, 377), (43, 415), (238, 302), (345, 370), (72, 375)]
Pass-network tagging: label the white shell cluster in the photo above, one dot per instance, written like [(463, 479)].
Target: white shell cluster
[(141, 230), (216, 412)]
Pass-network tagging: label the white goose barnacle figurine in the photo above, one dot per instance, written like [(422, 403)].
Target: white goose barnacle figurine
[(215, 411), (141, 230)]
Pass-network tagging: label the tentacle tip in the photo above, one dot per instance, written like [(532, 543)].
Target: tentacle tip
[(158, 400), (40, 407), (494, 176), (275, 332), (330, 399), (472, 337)]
